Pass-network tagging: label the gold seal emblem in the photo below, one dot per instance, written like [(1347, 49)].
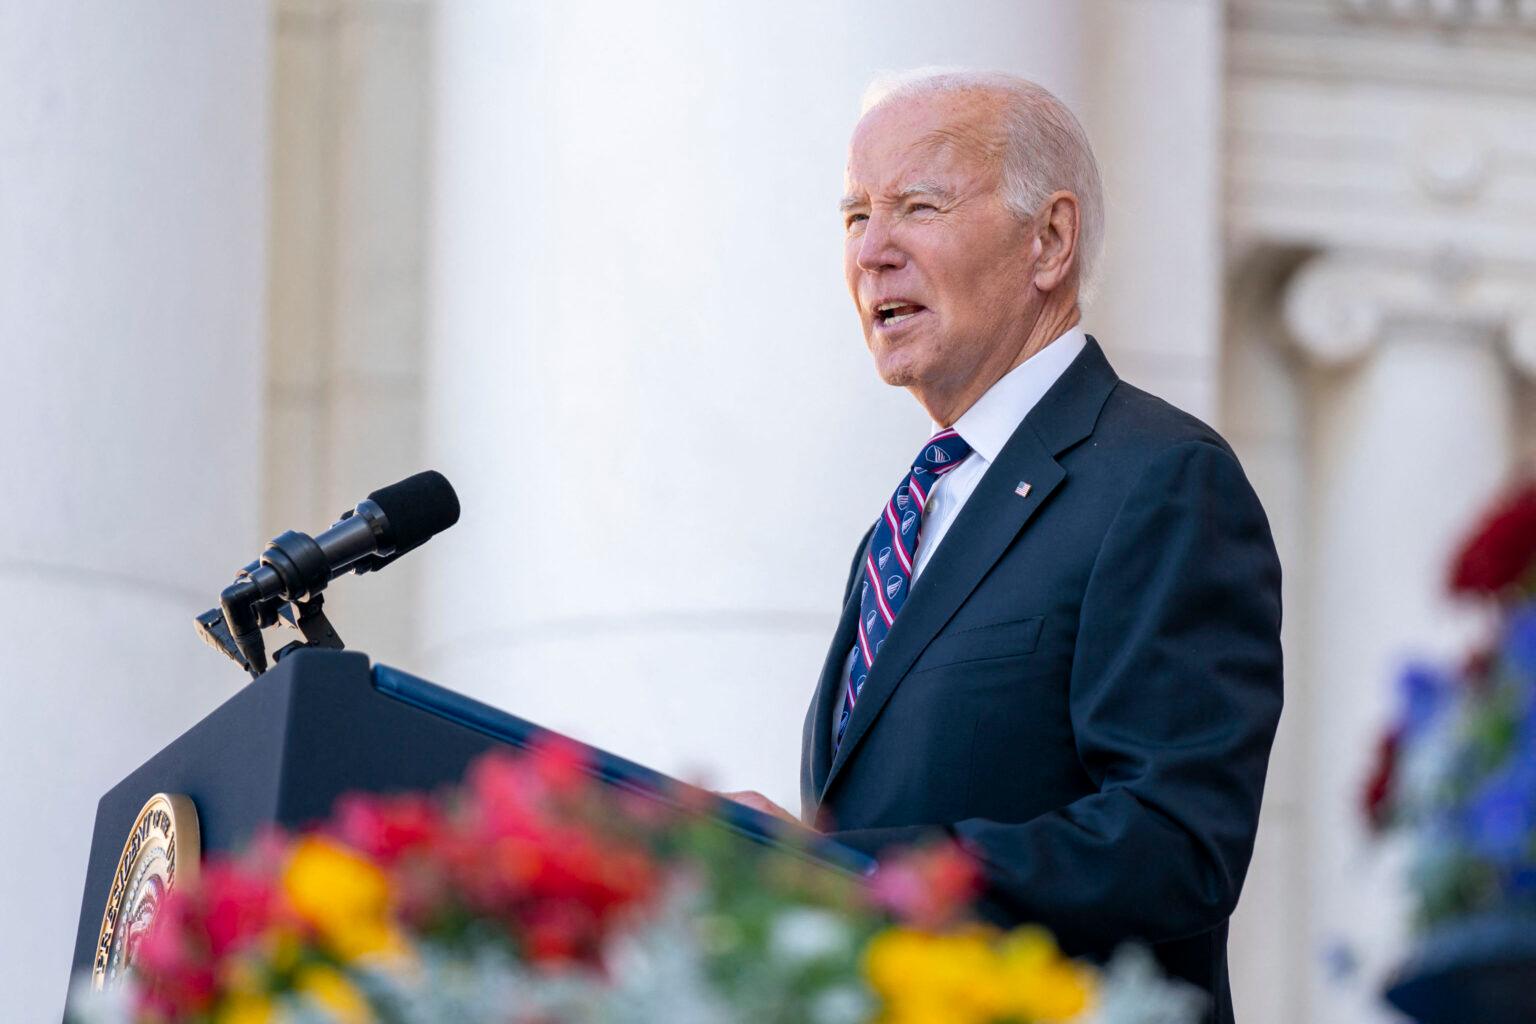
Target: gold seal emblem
[(163, 848)]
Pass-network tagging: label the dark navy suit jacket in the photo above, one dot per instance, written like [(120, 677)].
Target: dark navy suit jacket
[(1083, 684)]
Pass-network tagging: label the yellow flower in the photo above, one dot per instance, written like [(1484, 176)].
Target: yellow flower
[(922, 977), (331, 990), (974, 977), (344, 896), (1043, 984), (246, 1008)]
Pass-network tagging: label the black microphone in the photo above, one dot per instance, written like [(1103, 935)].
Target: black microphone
[(296, 567), (415, 510)]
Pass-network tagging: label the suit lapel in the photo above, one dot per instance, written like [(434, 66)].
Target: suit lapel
[(990, 520), (987, 524), (829, 692)]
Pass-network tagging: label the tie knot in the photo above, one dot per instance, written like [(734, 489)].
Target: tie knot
[(942, 453)]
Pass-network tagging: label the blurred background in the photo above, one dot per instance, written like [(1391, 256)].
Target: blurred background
[(260, 257)]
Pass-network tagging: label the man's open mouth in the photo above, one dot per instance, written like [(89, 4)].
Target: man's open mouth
[(888, 314)]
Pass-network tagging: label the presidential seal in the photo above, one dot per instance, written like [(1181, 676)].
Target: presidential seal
[(162, 849)]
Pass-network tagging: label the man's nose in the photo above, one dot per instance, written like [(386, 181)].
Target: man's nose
[(878, 250)]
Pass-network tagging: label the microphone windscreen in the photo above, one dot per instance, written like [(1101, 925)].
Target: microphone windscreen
[(417, 508)]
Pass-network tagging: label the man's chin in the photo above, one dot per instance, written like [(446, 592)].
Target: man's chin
[(897, 371)]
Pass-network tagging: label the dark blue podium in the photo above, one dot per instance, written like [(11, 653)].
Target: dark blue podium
[(323, 723)]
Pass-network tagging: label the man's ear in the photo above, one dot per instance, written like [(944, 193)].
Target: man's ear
[(1056, 241)]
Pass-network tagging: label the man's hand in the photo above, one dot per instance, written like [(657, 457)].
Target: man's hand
[(758, 802)]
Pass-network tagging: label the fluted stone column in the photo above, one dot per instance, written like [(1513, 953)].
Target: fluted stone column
[(645, 376), (349, 131), (1154, 111), (132, 221), (1264, 416), (1412, 424), (1390, 137)]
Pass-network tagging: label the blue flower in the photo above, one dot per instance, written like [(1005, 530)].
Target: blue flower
[(1426, 693), (1520, 642), (1523, 757), (1500, 821), (1521, 883)]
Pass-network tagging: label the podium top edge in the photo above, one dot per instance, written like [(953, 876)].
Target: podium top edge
[(614, 770)]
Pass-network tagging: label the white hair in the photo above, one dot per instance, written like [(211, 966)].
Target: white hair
[(1045, 148)]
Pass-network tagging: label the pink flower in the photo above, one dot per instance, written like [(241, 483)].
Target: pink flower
[(929, 887)]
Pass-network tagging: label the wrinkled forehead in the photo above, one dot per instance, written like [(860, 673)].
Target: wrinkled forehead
[(951, 136)]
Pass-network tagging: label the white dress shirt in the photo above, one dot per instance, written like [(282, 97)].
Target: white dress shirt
[(986, 426)]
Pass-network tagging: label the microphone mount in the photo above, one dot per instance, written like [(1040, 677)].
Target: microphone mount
[(256, 600), (286, 585)]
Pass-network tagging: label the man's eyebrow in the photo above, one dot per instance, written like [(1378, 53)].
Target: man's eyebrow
[(925, 187)]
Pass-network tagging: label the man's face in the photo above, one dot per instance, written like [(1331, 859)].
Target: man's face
[(939, 269)]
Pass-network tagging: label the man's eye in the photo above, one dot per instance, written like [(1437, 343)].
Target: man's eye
[(929, 207), (854, 218)]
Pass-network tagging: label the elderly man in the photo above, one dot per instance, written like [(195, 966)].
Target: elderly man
[(1060, 638)]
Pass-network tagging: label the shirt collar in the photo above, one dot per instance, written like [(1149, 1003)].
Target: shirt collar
[(991, 420)]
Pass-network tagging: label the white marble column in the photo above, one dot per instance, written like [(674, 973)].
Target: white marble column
[(645, 377), (1411, 431), (1264, 416), (133, 155), (1389, 135), (1154, 111), (349, 131)]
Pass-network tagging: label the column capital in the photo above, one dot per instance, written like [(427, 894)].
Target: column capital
[(1339, 303), (1448, 15)]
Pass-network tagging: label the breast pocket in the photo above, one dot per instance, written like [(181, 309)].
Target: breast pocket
[(1008, 639)]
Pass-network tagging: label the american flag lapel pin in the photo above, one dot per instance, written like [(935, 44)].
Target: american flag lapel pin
[(1023, 489)]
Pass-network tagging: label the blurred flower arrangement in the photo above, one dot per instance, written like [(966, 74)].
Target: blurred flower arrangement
[(1456, 771), (533, 895)]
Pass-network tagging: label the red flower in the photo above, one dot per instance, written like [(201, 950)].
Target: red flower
[(237, 907), (178, 974), (1377, 797), (387, 828), (558, 932), (561, 764), (1502, 551), (929, 887), (506, 796), (227, 909), (521, 848)]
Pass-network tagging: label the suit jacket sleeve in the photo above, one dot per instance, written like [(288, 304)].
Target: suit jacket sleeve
[(1175, 693)]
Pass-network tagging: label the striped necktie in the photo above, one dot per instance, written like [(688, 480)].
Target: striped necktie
[(889, 558)]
